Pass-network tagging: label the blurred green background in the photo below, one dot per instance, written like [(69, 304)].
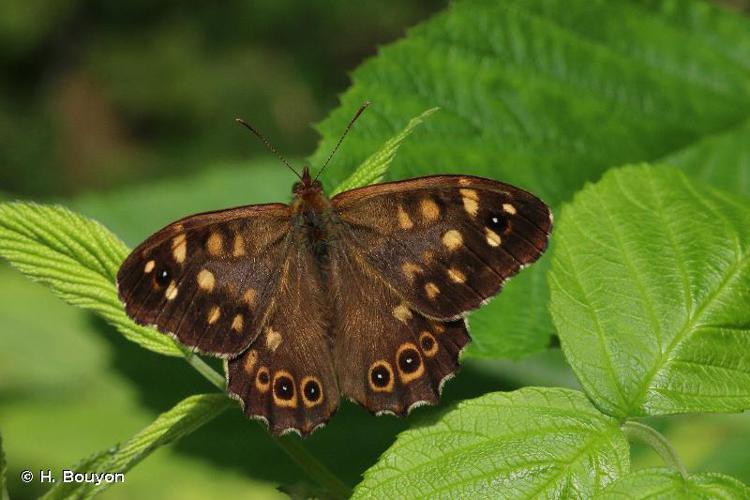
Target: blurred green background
[(124, 111)]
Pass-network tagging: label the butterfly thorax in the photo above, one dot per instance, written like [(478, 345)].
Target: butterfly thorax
[(311, 209)]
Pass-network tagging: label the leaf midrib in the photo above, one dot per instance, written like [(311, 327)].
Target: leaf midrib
[(692, 322)]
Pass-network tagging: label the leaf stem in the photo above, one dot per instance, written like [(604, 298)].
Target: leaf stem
[(313, 467), (654, 439), (204, 369), (290, 444)]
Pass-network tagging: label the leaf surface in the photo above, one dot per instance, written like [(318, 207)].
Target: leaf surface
[(181, 420), (531, 443), (78, 259), (545, 95), (668, 484), (651, 294)]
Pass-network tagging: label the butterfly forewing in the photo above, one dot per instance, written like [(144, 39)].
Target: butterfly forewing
[(445, 244), (208, 279), (286, 377)]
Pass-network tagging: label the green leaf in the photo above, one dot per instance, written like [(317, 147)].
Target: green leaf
[(545, 95), (650, 291), (373, 169), (3, 471), (188, 415), (534, 442), (668, 484), (78, 259), (722, 160)]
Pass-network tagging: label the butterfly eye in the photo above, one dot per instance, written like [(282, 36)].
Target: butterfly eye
[(162, 276), (283, 388), (408, 360), (497, 222)]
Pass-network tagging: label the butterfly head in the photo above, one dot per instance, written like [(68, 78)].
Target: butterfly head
[(307, 185)]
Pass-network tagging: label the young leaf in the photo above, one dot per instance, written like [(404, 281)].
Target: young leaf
[(188, 415), (650, 291), (3, 470), (668, 483), (545, 95), (77, 258), (534, 442), (373, 169)]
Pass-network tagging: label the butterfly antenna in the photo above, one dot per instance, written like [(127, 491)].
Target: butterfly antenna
[(267, 144), (341, 139)]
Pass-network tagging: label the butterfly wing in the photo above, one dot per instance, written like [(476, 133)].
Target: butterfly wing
[(208, 279), (389, 358), (407, 261), (444, 243), (286, 377)]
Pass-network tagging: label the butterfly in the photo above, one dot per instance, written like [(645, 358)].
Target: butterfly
[(362, 295)]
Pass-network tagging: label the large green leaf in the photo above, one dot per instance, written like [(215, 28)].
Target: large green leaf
[(183, 419), (531, 443), (546, 95), (669, 484), (650, 291), (77, 258), (722, 160)]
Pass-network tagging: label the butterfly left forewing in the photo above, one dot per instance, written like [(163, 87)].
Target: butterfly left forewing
[(444, 243), (207, 279)]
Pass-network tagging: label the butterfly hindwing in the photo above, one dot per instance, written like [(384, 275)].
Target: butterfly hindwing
[(389, 358), (444, 243), (207, 279), (286, 377)]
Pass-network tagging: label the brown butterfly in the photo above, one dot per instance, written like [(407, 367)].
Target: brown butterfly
[(362, 295)]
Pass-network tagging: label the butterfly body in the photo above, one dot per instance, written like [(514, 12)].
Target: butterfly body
[(362, 295)]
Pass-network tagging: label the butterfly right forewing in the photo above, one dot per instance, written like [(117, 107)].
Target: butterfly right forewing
[(444, 243)]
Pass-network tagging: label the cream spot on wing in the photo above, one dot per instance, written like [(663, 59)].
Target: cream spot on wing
[(427, 256), (237, 323), (273, 339), (431, 289), (206, 280), (438, 328), (149, 266), (171, 291), (493, 239), (452, 239), (456, 276), (463, 181), (215, 244), (471, 201), (238, 249), (509, 209), (179, 248), (411, 269), (402, 313), (213, 315), (250, 360), (404, 222), (249, 297), (430, 210)]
